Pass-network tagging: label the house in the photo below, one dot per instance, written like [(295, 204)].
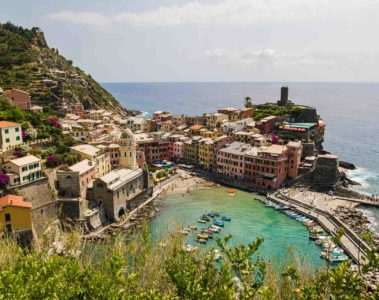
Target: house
[(10, 135), (267, 125), (15, 214), (19, 98), (23, 170), (119, 191), (231, 160), (99, 157), (232, 127)]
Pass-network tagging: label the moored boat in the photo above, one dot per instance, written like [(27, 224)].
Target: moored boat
[(218, 223), (226, 218)]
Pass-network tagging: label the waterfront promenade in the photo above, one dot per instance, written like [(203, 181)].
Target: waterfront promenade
[(351, 242)]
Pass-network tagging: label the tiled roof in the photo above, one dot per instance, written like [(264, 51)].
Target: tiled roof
[(22, 161), (7, 124), (13, 200)]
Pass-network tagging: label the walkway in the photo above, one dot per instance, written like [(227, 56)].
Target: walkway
[(350, 242)]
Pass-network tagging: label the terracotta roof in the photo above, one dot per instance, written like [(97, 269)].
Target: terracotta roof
[(13, 200), (7, 124), (196, 127), (17, 90)]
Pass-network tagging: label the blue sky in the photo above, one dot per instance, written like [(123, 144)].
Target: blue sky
[(215, 40)]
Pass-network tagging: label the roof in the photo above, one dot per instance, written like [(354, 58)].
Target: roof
[(295, 144), (26, 160), (301, 125), (196, 127), (237, 148), (275, 149), (16, 90), (117, 178), (86, 149), (13, 200), (4, 124), (82, 166)]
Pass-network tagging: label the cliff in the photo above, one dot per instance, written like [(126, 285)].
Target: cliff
[(27, 63)]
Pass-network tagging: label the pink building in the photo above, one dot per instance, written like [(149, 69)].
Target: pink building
[(86, 172), (19, 98), (176, 150), (231, 160), (114, 153)]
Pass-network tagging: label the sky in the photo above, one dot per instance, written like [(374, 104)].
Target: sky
[(210, 40)]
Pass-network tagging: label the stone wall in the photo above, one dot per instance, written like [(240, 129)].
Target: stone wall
[(326, 173)]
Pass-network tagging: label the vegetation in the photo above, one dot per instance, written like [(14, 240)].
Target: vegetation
[(26, 60), (265, 110), (136, 267)]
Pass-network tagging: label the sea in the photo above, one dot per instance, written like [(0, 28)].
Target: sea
[(350, 111)]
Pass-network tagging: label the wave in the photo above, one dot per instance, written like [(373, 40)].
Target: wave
[(372, 215), (368, 180)]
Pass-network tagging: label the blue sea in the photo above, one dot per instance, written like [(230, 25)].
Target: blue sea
[(350, 110)]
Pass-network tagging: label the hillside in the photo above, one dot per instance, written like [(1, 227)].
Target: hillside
[(27, 63)]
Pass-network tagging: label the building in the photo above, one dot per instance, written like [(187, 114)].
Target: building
[(99, 157), (267, 167), (191, 150), (128, 155), (23, 170), (153, 147), (176, 150), (232, 127), (136, 124), (10, 135), (115, 155), (119, 192), (267, 125), (19, 98), (73, 182), (295, 150), (205, 153), (15, 214), (231, 160), (215, 120)]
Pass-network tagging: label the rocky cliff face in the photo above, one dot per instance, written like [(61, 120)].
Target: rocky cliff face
[(27, 63)]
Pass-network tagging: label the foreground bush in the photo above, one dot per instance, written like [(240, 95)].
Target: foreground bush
[(137, 268)]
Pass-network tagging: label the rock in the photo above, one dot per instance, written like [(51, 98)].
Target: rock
[(347, 165)]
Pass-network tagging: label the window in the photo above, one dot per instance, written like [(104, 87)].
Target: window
[(7, 140), (17, 129), (7, 217), (6, 131), (17, 138), (24, 169)]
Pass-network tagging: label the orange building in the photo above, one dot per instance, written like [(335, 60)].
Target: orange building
[(19, 98), (15, 214)]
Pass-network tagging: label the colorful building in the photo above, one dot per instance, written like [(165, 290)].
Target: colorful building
[(128, 148), (15, 214), (231, 160)]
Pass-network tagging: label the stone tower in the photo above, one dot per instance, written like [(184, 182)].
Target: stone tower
[(128, 155), (283, 96)]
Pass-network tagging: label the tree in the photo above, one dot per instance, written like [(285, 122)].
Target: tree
[(248, 103)]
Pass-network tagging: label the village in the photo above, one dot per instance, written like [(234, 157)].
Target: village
[(116, 163)]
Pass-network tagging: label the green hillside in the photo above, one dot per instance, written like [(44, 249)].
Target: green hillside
[(27, 63)]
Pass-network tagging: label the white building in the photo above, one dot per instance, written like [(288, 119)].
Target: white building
[(23, 170), (10, 135)]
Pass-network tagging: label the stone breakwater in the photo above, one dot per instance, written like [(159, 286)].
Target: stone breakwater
[(357, 221)]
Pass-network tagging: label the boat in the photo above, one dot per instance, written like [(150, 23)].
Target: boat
[(201, 221), (205, 218), (216, 214), (215, 228), (269, 204), (316, 229), (218, 223), (337, 257), (193, 227), (309, 223), (201, 241), (295, 215), (203, 236), (283, 208), (226, 218), (315, 235), (211, 214)]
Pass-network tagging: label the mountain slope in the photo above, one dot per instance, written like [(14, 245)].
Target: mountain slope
[(27, 63)]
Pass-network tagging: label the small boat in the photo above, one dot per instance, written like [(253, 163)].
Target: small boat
[(201, 221), (193, 227), (316, 229), (269, 204), (309, 223), (283, 208), (218, 223), (201, 241), (211, 215), (214, 230), (337, 257), (216, 214), (205, 218), (226, 218), (203, 236), (294, 216)]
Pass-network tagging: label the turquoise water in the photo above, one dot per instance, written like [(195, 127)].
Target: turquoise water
[(284, 238)]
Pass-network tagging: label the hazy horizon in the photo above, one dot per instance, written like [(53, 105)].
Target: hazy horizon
[(210, 40)]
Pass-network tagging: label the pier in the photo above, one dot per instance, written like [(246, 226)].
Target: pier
[(353, 245)]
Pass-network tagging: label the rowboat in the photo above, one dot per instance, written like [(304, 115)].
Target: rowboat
[(218, 223), (226, 218)]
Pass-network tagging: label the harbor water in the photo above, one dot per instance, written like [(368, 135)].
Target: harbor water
[(284, 238)]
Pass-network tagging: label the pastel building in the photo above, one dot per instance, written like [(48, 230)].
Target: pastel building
[(15, 214), (10, 135), (231, 160), (97, 156), (115, 155), (267, 125), (128, 148), (215, 120), (23, 170)]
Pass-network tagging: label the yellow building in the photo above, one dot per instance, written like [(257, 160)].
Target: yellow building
[(15, 214), (191, 150), (208, 133), (205, 153)]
